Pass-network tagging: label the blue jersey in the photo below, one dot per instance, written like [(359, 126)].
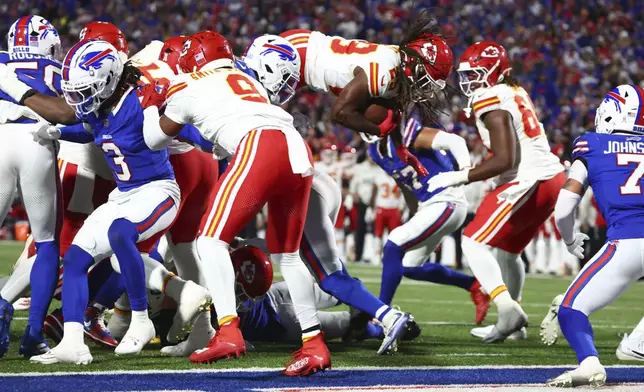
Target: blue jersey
[(615, 165), (261, 323), (38, 72), (434, 161), (120, 135)]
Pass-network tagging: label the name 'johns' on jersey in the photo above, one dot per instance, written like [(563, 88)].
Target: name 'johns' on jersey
[(615, 165)]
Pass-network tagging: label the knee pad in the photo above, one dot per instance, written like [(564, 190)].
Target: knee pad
[(77, 261), (121, 231)]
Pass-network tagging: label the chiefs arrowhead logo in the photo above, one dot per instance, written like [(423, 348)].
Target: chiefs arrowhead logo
[(429, 52), (490, 51), (248, 271)]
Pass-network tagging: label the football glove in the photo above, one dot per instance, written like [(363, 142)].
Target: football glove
[(448, 179), (408, 158), (576, 247)]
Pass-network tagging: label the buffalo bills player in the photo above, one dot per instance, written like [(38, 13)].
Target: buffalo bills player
[(437, 213), (100, 90), (611, 160), (30, 166)]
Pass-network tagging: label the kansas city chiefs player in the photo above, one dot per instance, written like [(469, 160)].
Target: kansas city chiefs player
[(329, 162), (529, 180)]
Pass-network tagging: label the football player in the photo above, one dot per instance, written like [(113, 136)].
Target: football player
[(609, 159), (528, 179), (30, 166), (271, 164)]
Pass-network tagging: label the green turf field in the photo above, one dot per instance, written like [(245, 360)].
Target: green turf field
[(445, 314)]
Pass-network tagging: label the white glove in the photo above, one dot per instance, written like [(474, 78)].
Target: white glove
[(448, 179), (45, 131), (576, 248), (11, 85)]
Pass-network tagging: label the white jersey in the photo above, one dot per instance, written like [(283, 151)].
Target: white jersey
[(157, 71), (225, 105), (388, 196), (334, 170), (534, 161), (328, 63), (87, 156)]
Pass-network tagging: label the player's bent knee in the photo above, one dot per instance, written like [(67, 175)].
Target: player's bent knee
[(330, 283), (77, 261), (121, 231)]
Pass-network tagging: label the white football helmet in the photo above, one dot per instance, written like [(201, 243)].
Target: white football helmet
[(91, 72), (277, 65), (621, 110), (34, 34)]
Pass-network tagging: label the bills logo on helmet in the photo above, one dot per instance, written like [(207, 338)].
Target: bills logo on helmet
[(429, 52), (283, 51), (490, 51), (248, 271), (617, 99), (94, 60)]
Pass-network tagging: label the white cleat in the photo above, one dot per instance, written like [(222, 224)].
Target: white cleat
[(510, 320), (482, 332), (590, 372), (136, 338), (79, 355), (199, 338), (194, 300), (550, 330), (631, 348)]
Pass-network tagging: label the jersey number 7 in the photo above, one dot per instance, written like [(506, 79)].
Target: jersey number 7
[(632, 186)]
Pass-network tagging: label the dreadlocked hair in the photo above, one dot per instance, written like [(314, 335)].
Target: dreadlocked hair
[(511, 81), (420, 22), (129, 78)]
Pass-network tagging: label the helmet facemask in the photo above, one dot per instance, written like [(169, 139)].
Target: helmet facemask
[(424, 87)]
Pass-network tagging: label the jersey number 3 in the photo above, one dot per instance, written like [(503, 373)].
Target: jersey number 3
[(119, 160), (632, 186)]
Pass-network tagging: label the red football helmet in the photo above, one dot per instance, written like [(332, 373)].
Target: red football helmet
[(349, 154), (171, 51), (431, 66), (329, 153), (107, 32), (253, 273), (483, 64), (203, 48)]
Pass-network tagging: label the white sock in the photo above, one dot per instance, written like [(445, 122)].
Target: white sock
[(301, 287), (540, 254), (590, 362), (186, 259), (156, 275), (486, 270), (139, 317), (18, 282), (73, 333), (514, 275), (389, 318), (217, 268)]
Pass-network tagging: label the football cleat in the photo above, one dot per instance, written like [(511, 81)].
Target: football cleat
[(137, 336), (94, 328), (228, 342), (482, 332), (33, 343), (53, 327), (481, 302), (393, 334), (549, 330), (314, 356), (197, 339), (6, 315), (23, 303), (511, 319), (194, 300), (413, 330), (590, 372), (631, 348), (357, 325), (62, 354)]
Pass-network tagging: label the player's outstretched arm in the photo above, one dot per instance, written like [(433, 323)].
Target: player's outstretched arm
[(435, 139), (346, 109), (502, 144), (158, 131), (567, 202)]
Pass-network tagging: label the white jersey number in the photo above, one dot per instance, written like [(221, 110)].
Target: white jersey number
[(632, 187), (48, 73), (119, 160)]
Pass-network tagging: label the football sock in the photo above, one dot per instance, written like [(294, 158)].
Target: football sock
[(43, 280), (187, 262), (98, 275), (438, 273), (640, 327), (486, 270), (578, 331), (19, 280), (374, 331), (512, 270), (301, 288), (392, 271), (72, 331), (311, 332), (111, 290), (123, 236), (217, 268), (75, 291), (351, 292)]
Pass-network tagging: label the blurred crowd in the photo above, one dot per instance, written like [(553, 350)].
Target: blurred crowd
[(566, 53)]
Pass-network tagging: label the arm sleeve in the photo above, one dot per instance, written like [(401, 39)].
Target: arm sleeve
[(76, 133), (190, 134), (565, 214), (579, 172), (153, 135), (456, 145)]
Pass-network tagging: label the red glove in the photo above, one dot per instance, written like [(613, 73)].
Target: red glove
[(389, 123), (407, 157), (152, 95)]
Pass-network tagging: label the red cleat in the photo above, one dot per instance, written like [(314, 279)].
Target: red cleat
[(228, 342), (94, 326), (53, 327), (481, 301), (313, 356)]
